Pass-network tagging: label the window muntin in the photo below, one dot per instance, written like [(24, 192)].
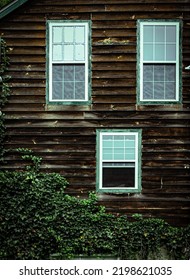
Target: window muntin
[(118, 161), (68, 61), (159, 61)]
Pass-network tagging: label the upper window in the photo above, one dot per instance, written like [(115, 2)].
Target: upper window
[(68, 61), (159, 61), (119, 161)]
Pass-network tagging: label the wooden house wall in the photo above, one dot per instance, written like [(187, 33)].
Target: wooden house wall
[(65, 136)]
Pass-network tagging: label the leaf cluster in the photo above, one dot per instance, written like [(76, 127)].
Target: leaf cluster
[(38, 220), (4, 91)]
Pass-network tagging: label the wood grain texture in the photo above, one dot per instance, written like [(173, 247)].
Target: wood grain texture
[(65, 136)]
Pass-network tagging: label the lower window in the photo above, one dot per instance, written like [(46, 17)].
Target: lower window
[(118, 160)]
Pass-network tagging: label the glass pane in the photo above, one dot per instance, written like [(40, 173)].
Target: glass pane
[(130, 154), (148, 34), (118, 144), (129, 137), (171, 34), (68, 52), (80, 34), (57, 34), (130, 157), (118, 137), (148, 90), (160, 52), (159, 73), (170, 73), (79, 52), (147, 73), (107, 156), (159, 90), (171, 52), (159, 34), (68, 34), (57, 73), (170, 90), (69, 73), (120, 177), (107, 137), (57, 89), (107, 144), (118, 156), (80, 90), (148, 52), (130, 144), (57, 52), (69, 90), (80, 73)]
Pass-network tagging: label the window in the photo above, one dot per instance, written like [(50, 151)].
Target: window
[(159, 61), (68, 61), (119, 161)]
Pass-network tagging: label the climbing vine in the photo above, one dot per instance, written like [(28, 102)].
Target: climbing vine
[(4, 91)]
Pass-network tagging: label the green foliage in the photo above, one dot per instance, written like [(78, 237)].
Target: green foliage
[(30, 205), (4, 92), (5, 2), (39, 221)]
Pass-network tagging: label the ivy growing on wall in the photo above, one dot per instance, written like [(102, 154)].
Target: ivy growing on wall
[(4, 91)]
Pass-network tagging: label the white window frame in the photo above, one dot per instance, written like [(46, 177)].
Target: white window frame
[(52, 24), (136, 161), (176, 61)]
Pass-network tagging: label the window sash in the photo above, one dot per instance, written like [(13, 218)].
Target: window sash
[(128, 164), (68, 48), (162, 86)]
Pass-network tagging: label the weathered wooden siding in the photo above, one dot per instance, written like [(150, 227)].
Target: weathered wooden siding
[(65, 136)]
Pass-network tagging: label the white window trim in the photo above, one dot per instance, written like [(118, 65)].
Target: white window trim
[(136, 162), (176, 62), (85, 62)]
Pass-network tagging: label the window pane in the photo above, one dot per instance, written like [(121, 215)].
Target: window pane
[(120, 148), (129, 144), (148, 52), (159, 73), (69, 73), (79, 72), (119, 144), (159, 52), (57, 52), (171, 52), (119, 156), (79, 90), (57, 73), (107, 137), (147, 90), (170, 90), (159, 90), (57, 34), (148, 34), (107, 144), (119, 177), (171, 34), (159, 34), (130, 154), (147, 73), (68, 34), (68, 52), (170, 73), (69, 90), (57, 90), (107, 156), (80, 34), (79, 52)]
